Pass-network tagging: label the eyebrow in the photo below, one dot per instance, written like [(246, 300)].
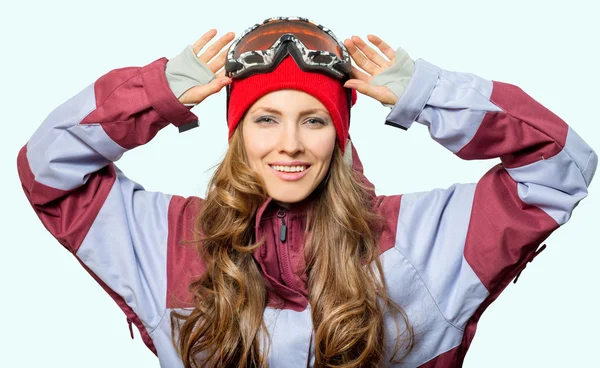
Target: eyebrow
[(277, 112)]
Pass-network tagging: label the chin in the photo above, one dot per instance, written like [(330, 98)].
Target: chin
[(291, 195), (287, 198)]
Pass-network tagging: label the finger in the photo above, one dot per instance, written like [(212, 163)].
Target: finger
[(370, 53), (218, 62), (214, 86), (359, 58), (380, 93), (200, 93), (384, 47), (358, 74), (199, 45), (216, 47)]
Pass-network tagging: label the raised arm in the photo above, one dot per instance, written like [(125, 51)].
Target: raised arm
[(469, 241), (116, 229)]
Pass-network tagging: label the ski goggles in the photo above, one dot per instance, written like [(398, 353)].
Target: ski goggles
[(262, 47)]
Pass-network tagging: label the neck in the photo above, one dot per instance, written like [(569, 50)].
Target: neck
[(282, 204)]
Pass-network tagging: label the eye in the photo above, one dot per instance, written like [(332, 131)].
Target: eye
[(315, 122), (265, 120)]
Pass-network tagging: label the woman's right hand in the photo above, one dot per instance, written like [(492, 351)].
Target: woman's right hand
[(197, 94)]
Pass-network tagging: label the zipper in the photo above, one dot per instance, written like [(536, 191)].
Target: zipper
[(284, 252), (531, 257), (282, 227)]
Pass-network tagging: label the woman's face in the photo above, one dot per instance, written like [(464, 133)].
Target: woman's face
[(289, 139)]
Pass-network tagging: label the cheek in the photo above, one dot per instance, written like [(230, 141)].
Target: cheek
[(257, 146), (322, 146)]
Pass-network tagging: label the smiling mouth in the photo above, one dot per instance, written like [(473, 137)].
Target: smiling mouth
[(290, 169)]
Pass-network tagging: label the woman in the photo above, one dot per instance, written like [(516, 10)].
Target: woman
[(291, 259)]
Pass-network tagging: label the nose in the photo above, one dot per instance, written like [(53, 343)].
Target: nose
[(289, 139)]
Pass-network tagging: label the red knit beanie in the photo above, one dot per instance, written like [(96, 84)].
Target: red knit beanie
[(288, 75)]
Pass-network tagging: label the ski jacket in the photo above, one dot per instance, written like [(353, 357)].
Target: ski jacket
[(446, 253)]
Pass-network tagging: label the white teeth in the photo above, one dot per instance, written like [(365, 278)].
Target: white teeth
[(289, 168)]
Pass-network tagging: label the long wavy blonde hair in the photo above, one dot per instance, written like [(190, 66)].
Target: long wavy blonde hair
[(224, 328)]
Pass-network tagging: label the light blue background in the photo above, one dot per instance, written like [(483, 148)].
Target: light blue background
[(54, 313)]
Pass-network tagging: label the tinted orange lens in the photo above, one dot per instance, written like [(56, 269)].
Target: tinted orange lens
[(264, 36)]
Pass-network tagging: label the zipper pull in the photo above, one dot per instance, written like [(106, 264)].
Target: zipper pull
[(130, 328), (282, 228)]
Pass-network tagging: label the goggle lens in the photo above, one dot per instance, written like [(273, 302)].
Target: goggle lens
[(264, 36)]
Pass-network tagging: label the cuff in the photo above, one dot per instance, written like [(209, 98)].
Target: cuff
[(162, 98), (185, 71), (415, 97), (397, 76)]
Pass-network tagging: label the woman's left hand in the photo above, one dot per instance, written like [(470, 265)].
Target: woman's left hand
[(373, 63)]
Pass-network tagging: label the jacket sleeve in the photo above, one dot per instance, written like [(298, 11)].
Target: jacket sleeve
[(469, 241), (116, 229)]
